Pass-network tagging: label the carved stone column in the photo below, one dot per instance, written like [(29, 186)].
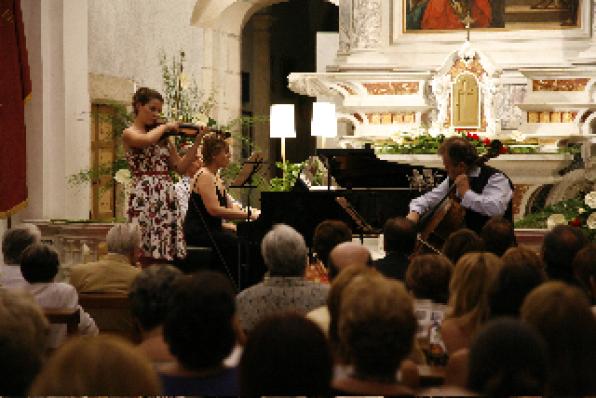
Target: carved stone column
[(359, 25), (589, 55), (261, 78), (366, 24)]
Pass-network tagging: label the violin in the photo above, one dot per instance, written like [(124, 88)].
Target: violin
[(189, 130), (448, 214)]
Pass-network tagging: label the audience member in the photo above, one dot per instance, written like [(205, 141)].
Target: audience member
[(469, 290), (376, 327), (521, 272), (498, 235), (99, 365), (14, 243), (507, 358), (346, 254), (115, 272), (286, 354), (149, 297), (559, 248), (584, 269), (23, 338), (199, 330), (327, 235), (39, 266), (285, 255), (428, 279), (562, 315), (326, 316), (461, 242), (399, 239)]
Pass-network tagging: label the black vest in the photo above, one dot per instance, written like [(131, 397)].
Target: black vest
[(473, 220)]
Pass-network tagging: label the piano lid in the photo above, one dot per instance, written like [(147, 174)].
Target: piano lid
[(361, 168)]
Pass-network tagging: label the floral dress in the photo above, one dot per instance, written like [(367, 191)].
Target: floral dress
[(153, 203)]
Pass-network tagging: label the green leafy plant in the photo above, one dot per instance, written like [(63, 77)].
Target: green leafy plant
[(575, 212), (290, 173)]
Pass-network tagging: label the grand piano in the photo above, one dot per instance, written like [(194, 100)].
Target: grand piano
[(367, 192)]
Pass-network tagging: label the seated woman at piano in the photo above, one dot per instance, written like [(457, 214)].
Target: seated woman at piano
[(484, 191), (209, 205)]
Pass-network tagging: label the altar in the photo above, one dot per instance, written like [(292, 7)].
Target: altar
[(393, 83)]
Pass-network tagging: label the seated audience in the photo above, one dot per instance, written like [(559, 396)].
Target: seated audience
[(469, 290), (285, 255), (14, 243), (346, 254), (498, 235), (559, 248), (584, 269), (327, 235), (507, 358), (561, 314), (39, 266), (99, 365), (461, 242), (115, 272), (23, 339), (200, 332), (376, 328), (285, 354), (427, 278), (399, 239), (521, 272), (149, 297)]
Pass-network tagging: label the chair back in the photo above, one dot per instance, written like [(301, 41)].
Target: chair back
[(111, 313), (64, 316)]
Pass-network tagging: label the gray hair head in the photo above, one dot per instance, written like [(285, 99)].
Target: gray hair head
[(123, 238), (284, 251), (16, 240)]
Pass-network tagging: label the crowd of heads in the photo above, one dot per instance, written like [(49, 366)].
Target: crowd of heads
[(526, 317)]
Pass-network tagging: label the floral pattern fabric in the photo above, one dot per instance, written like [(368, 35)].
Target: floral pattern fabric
[(153, 203)]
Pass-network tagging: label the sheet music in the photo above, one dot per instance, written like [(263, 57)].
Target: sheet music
[(249, 168)]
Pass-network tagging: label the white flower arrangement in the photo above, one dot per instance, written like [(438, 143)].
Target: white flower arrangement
[(590, 200), (123, 177), (555, 219), (591, 221)]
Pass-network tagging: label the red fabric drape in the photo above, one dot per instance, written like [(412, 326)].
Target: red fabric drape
[(15, 87)]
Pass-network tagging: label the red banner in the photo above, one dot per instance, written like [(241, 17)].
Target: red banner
[(15, 88)]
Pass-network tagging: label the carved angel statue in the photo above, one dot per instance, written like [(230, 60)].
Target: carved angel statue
[(441, 88)]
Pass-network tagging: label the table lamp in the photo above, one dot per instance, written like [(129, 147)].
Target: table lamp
[(324, 121), (281, 125)]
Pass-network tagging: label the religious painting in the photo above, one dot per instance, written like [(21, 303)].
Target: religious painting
[(446, 15)]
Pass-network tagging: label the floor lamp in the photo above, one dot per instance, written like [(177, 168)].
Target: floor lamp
[(281, 125), (324, 121)]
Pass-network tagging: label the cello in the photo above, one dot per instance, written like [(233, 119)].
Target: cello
[(447, 216)]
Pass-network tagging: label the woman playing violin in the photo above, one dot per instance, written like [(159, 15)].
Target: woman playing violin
[(483, 190), (152, 203)]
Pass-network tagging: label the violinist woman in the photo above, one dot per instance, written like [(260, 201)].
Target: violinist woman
[(483, 190), (209, 205), (152, 203)]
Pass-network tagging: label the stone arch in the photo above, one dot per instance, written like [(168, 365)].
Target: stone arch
[(223, 21)]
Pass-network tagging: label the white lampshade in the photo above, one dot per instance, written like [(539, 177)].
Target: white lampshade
[(281, 121), (324, 121)]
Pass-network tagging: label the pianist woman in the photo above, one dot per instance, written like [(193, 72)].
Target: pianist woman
[(209, 205), (152, 203)]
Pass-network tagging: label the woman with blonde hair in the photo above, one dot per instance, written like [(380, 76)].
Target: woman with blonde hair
[(101, 365), (469, 290)]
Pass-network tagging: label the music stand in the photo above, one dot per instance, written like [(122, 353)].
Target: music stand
[(244, 181)]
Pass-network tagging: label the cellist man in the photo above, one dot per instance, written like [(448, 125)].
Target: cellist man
[(484, 191)]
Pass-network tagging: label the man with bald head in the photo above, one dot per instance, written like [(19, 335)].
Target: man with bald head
[(346, 254)]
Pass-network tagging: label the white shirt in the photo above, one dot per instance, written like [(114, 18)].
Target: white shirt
[(61, 295), (182, 188), (11, 277), (493, 200)]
